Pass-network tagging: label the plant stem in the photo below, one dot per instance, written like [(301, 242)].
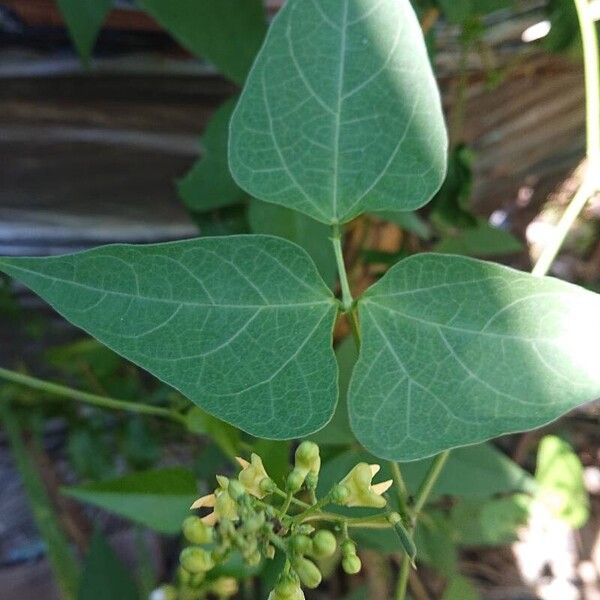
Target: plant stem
[(591, 179), (402, 585), (93, 399), (401, 489), (58, 549), (421, 500), (347, 299), (429, 482)]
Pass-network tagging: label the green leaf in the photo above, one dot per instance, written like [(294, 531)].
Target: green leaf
[(296, 227), (559, 475), (209, 184), (460, 588), (84, 18), (223, 434), (482, 240), (228, 33), (492, 522), (451, 206), (159, 499), (457, 351), (338, 432), (341, 112), (240, 325), (104, 577)]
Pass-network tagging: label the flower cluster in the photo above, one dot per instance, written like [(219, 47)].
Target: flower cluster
[(251, 516)]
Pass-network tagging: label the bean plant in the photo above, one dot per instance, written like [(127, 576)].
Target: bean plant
[(340, 115)]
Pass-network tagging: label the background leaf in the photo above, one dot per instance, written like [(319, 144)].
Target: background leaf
[(209, 184), (561, 483), (159, 499), (241, 325), (341, 112), (296, 227), (481, 240), (104, 577), (456, 351), (84, 19), (228, 32)]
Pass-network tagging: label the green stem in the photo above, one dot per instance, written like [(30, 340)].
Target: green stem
[(295, 501), (347, 299), (421, 500), (286, 504), (401, 489), (60, 555), (93, 399), (591, 179), (429, 482), (402, 585)]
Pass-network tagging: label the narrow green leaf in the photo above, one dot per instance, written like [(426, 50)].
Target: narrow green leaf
[(240, 325), (104, 577), (482, 240), (559, 475), (341, 112), (84, 19), (228, 32), (158, 499), (209, 184), (456, 351), (296, 227)]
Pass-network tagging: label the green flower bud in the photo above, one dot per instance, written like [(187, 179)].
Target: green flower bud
[(324, 544), (267, 486), (196, 531), (183, 576), (224, 587), (307, 457), (301, 544), (340, 494), (196, 560), (295, 480), (351, 564), (236, 490), (196, 580), (308, 572), (287, 589), (348, 548)]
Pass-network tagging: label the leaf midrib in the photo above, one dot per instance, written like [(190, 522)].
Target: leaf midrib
[(167, 301)]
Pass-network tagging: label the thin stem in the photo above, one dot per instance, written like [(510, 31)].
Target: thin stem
[(336, 239), (402, 585), (286, 504), (295, 501), (591, 179), (401, 489), (93, 399), (429, 482)]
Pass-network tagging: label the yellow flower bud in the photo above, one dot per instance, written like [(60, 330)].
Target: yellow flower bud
[(254, 477), (360, 490)]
